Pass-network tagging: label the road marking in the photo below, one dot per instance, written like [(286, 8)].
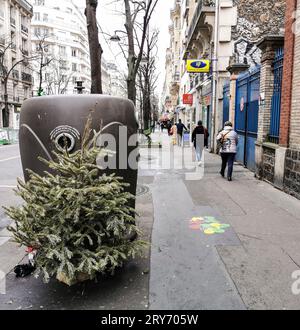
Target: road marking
[(7, 159), (4, 186)]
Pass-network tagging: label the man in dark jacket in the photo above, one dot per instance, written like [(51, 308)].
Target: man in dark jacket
[(200, 132), (180, 128)]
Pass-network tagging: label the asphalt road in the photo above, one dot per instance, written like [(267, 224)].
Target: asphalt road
[(10, 170)]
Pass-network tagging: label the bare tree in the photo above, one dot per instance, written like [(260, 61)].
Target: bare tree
[(148, 77), (58, 78), (43, 58), (136, 35), (6, 71), (94, 45)]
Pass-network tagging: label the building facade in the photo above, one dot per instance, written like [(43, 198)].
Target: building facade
[(59, 30), (117, 81), (15, 47), (240, 26), (278, 144)]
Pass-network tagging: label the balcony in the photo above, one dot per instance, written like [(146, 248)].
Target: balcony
[(15, 74), (197, 23), (24, 29), (27, 6), (26, 77)]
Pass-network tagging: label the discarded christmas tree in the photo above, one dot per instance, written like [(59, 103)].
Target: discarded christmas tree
[(77, 220)]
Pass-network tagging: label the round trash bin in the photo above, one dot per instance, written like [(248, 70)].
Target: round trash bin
[(47, 122)]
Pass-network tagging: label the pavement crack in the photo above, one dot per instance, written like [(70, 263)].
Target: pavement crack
[(225, 192), (249, 236), (285, 252)]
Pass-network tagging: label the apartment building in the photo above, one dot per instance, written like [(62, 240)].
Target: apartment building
[(15, 47), (59, 30), (240, 26)]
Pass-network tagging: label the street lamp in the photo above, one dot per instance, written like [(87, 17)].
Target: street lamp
[(115, 37)]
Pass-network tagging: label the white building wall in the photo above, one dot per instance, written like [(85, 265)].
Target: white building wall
[(15, 35), (65, 25)]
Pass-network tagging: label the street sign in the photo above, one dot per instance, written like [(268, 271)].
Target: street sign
[(198, 66), (188, 99)]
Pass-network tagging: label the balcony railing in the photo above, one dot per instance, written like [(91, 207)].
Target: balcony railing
[(25, 5), (26, 77), (194, 21), (24, 28), (15, 74)]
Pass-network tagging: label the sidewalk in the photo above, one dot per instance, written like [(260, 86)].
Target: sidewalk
[(248, 266)]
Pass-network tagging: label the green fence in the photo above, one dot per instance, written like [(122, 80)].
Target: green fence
[(9, 136)]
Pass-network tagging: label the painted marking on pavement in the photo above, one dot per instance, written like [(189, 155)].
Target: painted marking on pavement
[(208, 225), (4, 186), (7, 159)]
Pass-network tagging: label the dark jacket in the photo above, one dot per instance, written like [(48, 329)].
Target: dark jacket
[(180, 127), (200, 130)]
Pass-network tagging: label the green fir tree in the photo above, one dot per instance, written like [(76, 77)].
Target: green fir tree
[(77, 219)]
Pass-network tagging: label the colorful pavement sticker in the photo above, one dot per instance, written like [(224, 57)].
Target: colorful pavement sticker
[(208, 225)]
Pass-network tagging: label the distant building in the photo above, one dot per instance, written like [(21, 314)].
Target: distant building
[(62, 26), (15, 37), (106, 79), (118, 81)]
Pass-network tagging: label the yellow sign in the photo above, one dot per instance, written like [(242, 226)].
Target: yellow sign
[(198, 66)]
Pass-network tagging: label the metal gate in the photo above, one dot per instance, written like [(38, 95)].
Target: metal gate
[(226, 102), (246, 116), (276, 98)]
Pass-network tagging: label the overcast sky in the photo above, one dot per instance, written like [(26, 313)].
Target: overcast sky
[(110, 21)]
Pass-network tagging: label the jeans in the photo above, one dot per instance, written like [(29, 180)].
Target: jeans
[(199, 152), (179, 139), (227, 158)]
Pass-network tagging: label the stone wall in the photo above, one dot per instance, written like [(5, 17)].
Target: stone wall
[(256, 19), (268, 167), (292, 173)]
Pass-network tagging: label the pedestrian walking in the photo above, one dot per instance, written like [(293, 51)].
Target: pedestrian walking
[(174, 134), (200, 133), (228, 141), (180, 128)]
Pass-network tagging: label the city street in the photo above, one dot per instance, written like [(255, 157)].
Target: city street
[(246, 265)]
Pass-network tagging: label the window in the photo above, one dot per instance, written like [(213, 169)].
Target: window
[(74, 79), (62, 50), (74, 67), (37, 31), (37, 16), (39, 2), (73, 52), (45, 17)]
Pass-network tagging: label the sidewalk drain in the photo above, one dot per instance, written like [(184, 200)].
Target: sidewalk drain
[(142, 190)]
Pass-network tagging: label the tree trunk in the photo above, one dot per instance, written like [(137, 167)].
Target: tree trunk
[(131, 83), (94, 45), (6, 109)]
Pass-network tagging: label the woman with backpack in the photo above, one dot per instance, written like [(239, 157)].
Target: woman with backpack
[(228, 141)]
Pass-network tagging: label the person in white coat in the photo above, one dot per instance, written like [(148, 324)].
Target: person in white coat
[(228, 140)]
